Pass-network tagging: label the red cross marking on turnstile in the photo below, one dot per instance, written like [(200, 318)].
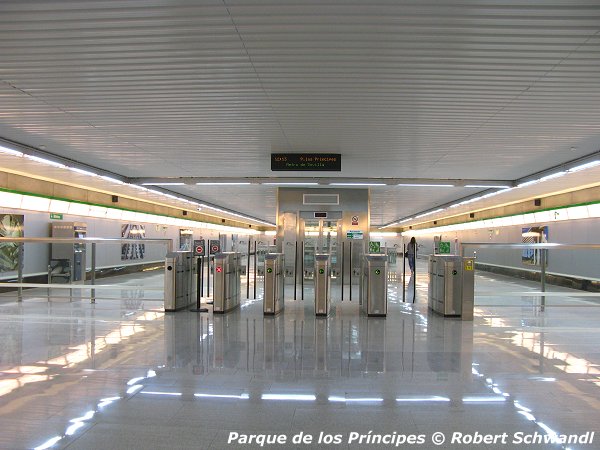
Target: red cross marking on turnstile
[(219, 269)]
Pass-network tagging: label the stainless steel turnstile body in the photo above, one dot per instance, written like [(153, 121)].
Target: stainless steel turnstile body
[(373, 288), (180, 288), (322, 284), (451, 285), (226, 282), (273, 302)]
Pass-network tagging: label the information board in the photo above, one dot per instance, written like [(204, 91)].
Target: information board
[(308, 162)]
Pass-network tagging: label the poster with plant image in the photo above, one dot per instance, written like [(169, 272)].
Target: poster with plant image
[(133, 251), (11, 225)]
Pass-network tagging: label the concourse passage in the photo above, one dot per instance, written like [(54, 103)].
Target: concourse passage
[(123, 374)]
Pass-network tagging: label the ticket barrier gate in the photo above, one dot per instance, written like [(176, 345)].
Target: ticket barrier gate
[(322, 284), (227, 271), (452, 285), (273, 302), (180, 288), (373, 285)]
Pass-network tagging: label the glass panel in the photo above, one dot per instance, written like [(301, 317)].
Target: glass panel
[(311, 246)]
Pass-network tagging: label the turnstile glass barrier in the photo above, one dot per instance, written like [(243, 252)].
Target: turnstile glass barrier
[(451, 285), (227, 271), (373, 285), (322, 284), (273, 301)]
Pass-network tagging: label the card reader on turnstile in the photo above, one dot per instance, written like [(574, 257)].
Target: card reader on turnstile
[(274, 284), (322, 284)]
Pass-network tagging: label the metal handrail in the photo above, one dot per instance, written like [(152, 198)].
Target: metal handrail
[(543, 254), (50, 240), (93, 241), (541, 246)]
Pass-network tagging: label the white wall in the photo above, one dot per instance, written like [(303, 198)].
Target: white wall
[(37, 224), (580, 263)]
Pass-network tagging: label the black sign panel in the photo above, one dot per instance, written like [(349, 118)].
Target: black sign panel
[(306, 162), (215, 247), (200, 247)]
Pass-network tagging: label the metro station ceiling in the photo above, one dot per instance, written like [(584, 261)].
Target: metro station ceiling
[(441, 89)]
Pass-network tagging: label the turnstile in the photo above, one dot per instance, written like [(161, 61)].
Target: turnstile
[(180, 289), (322, 284), (273, 302), (451, 285), (226, 282), (373, 289)]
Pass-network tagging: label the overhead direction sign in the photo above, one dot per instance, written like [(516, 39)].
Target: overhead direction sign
[(306, 162)]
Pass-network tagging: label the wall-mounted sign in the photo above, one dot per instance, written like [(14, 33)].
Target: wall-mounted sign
[(313, 162), (56, 216), (199, 247), (533, 235), (354, 220), (354, 234), (443, 247), (215, 247), (374, 247)]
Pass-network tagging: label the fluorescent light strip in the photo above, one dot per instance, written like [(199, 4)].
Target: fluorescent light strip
[(111, 180), (10, 151), (357, 184), (289, 184), (45, 161), (239, 397), (293, 397), (569, 213), (433, 398), (554, 175), (425, 185), (335, 399), (49, 443), (134, 389), (70, 431), (223, 184), (214, 208), (497, 186), (43, 204), (173, 394), (483, 399), (174, 183), (82, 172), (429, 213), (588, 165)]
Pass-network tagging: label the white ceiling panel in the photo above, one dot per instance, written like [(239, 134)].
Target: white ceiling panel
[(438, 89)]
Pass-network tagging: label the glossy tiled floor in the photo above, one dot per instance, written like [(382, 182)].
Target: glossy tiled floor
[(121, 374)]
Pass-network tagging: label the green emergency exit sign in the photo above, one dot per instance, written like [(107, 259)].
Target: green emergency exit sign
[(56, 216)]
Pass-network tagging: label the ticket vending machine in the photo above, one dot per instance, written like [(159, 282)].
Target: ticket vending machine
[(322, 284), (67, 261), (273, 302)]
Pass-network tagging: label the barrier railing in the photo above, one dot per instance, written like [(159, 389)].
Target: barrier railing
[(543, 255), (168, 243)]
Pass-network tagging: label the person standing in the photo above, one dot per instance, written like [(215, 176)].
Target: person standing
[(411, 253)]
